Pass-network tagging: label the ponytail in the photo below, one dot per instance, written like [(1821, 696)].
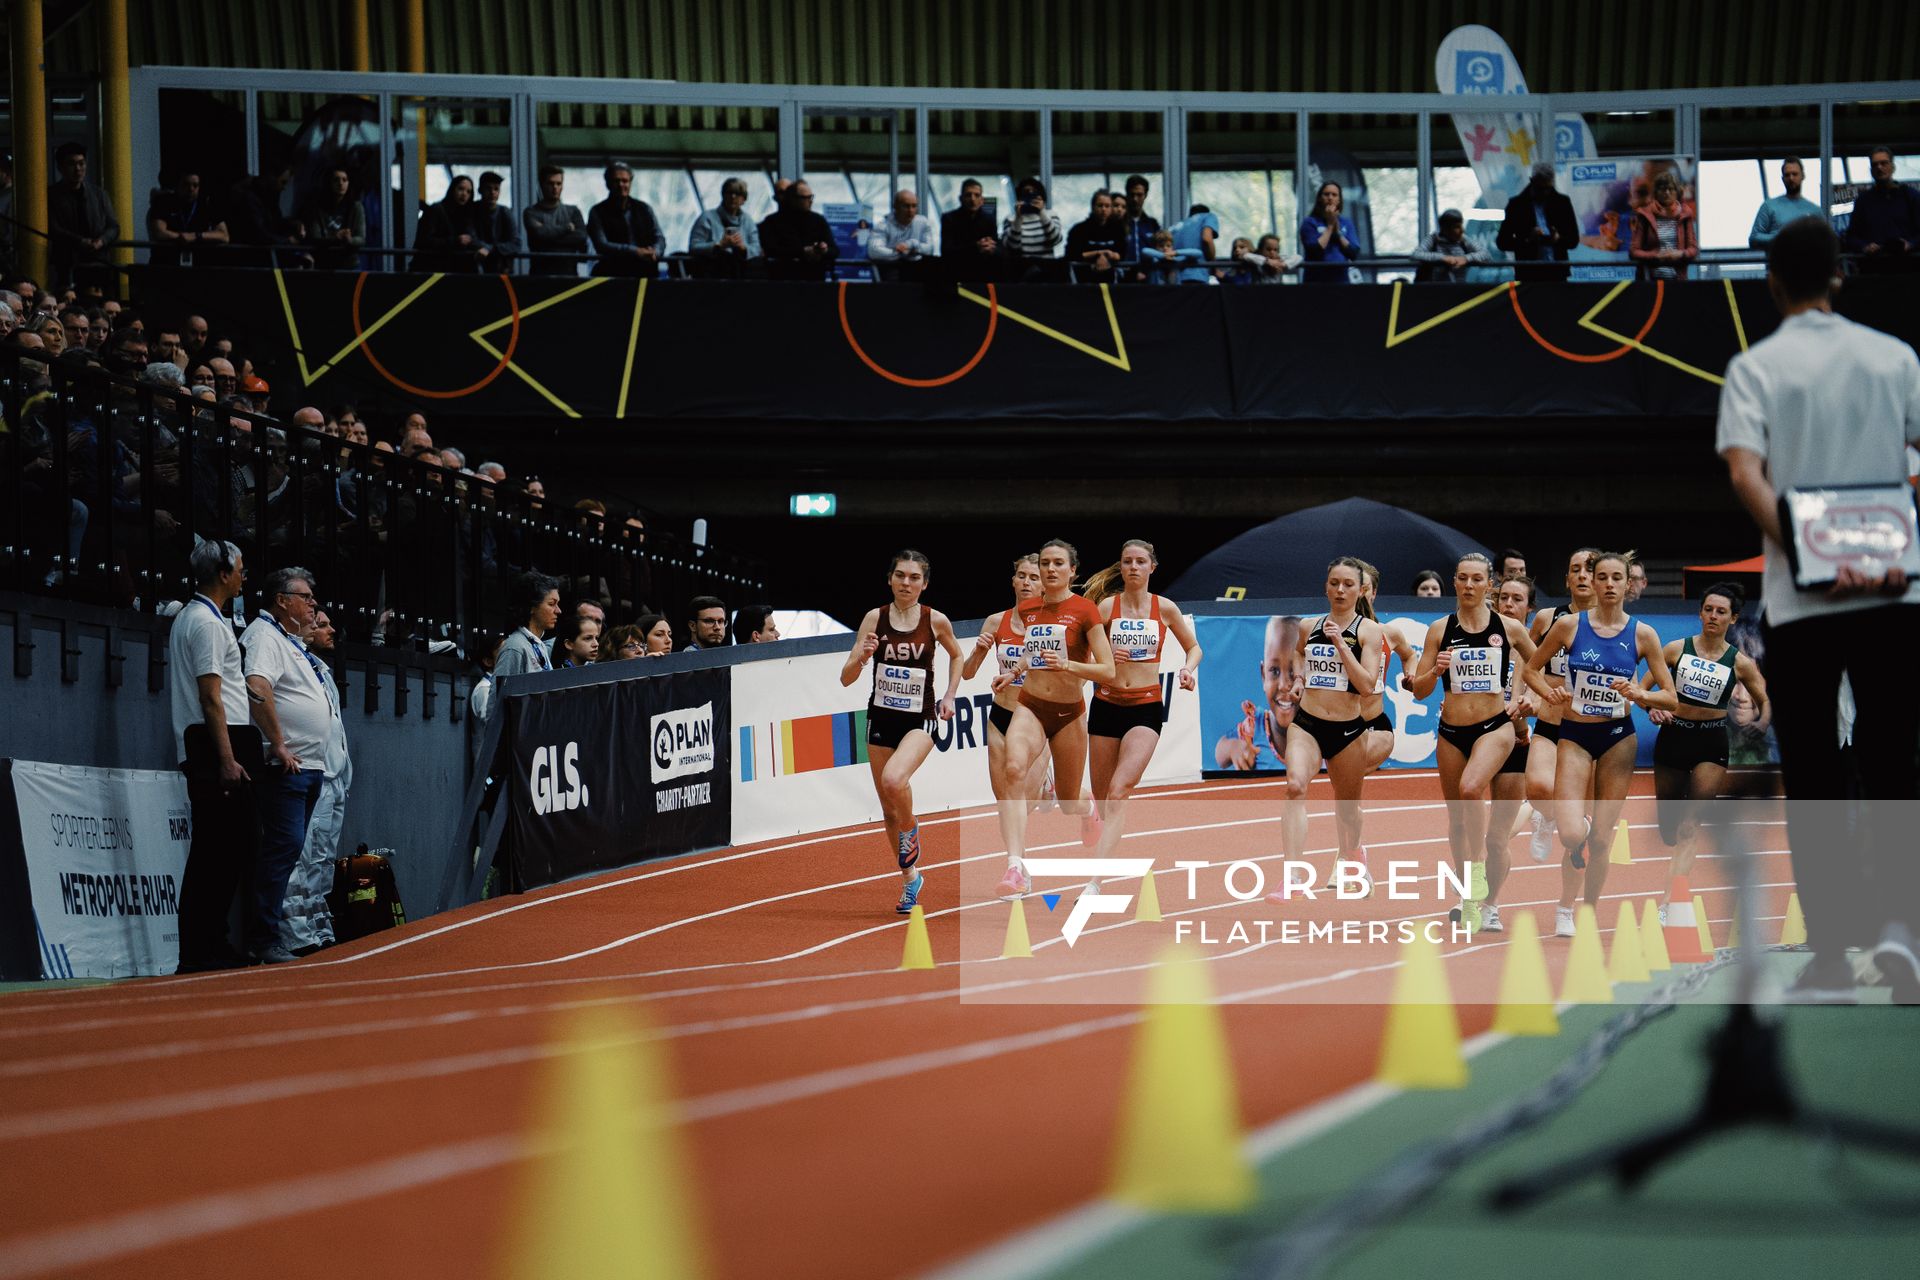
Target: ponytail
[(1102, 584)]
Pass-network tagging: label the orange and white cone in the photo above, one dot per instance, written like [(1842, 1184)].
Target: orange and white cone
[(1683, 930)]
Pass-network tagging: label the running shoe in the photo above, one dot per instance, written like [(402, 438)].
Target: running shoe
[(1458, 918), (1540, 844), (1366, 872), (1016, 883), (1049, 798), (1490, 918), (1578, 854), (1090, 830), (1563, 922), (1827, 979), (910, 895), (1895, 959)]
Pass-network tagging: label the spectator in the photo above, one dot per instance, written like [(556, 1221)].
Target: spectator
[(80, 222), (1163, 262), (181, 219), (577, 642), (336, 223), (1328, 235), (657, 632), (1448, 252), (220, 753), (754, 625), (260, 234), (1268, 264), (629, 642), (1426, 584), (415, 439), (1509, 564), (1636, 577), (1886, 219), (725, 240), (306, 922), (1031, 235), (75, 328), (448, 235), (536, 601), (221, 376), (492, 472), (797, 241), (288, 689), (166, 346), (1777, 211), (1539, 228), (969, 249), (495, 227), (1094, 245), (1137, 228), (6, 215), (554, 227), (1664, 241), (903, 240), (625, 234), (480, 699), (1199, 231), (706, 623), (193, 338)]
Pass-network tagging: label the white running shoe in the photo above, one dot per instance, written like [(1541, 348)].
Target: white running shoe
[(1540, 845), (1563, 922), (1490, 918)]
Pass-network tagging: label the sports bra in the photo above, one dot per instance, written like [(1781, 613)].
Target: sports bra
[(1704, 682), (1325, 669), (1482, 660)]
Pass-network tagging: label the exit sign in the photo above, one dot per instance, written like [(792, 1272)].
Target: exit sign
[(813, 504)]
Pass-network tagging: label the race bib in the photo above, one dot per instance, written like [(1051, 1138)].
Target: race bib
[(1594, 696), (1326, 669), (1136, 639), (1010, 655), (1475, 671), (1046, 645), (1557, 665), (899, 688), (1701, 680)]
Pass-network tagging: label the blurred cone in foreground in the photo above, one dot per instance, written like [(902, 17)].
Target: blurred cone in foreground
[(1147, 909), (1627, 963), (1017, 946), (1179, 1144), (1622, 852), (1526, 992), (1705, 930), (1686, 931), (1421, 1049), (1585, 981), (918, 952), (610, 1195), (1793, 932), (1653, 939)]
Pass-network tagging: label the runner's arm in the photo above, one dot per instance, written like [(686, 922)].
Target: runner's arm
[(1747, 672), (1427, 674), (1182, 627), (865, 641), (982, 646)]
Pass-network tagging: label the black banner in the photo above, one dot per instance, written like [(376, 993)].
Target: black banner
[(611, 350), (609, 774)]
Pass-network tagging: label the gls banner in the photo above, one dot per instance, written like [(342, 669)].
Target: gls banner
[(90, 867), (607, 775)]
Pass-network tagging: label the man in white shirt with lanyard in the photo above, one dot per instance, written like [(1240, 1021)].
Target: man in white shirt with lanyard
[(306, 922), (219, 751), (1825, 401), (287, 687)]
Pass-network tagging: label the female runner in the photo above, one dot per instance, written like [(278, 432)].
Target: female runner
[(1604, 648), (1001, 637), (1341, 669), (1543, 757), (1514, 599), (1690, 752), (901, 709), (1065, 646), (1470, 652), (1379, 736), (1123, 725)]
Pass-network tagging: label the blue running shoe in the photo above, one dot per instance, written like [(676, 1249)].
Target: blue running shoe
[(910, 895)]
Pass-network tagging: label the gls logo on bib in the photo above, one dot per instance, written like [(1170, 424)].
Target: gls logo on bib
[(551, 767), (682, 742)]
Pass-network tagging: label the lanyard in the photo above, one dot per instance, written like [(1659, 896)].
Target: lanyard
[(211, 607), (298, 648), (539, 650)]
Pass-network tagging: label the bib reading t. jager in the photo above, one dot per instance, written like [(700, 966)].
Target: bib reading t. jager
[(1326, 669), (1136, 639), (899, 688), (1703, 681), (1475, 670), (1046, 645)]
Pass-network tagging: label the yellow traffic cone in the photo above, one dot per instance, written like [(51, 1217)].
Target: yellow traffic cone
[(1621, 855), (1793, 931), (1526, 992), (1179, 1146), (1627, 963), (1421, 1049), (918, 953), (1700, 919), (1017, 946), (1733, 930), (1476, 882), (1585, 981), (1147, 909), (610, 1192), (1653, 939)]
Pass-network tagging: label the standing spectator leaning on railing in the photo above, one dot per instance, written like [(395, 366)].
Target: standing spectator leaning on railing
[(1664, 240), (554, 226), (725, 240), (1886, 220), (1030, 235), (336, 223), (448, 236), (80, 222), (1539, 228), (902, 240), (625, 234), (1789, 206), (180, 219), (1137, 227), (1448, 252), (1328, 236), (969, 248), (797, 241), (498, 231), (1095, 245)]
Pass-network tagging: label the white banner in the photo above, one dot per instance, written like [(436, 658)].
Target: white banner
[(799, 766), (106, 850)]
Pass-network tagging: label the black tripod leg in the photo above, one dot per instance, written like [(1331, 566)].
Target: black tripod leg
[(1861, 1133), (1627, 1161)]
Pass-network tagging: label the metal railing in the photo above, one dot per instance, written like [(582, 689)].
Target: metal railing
[(109, 484)]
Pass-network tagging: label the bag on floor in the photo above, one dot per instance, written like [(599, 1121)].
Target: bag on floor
[(364, 898)]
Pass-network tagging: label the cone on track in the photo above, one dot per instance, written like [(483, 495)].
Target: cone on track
[(1733, 930), (1147, 909), (1179, 1146), (1653, 939), (1526, 992), (1421, 1049), (608, 1192), (1621, 855), (1017, 946), (1793, 932), (1627, 963), (1476, 882), (1585, 980), (918, 953), (1688, 941)]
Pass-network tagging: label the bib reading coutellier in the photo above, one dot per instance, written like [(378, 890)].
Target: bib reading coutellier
[(899, 688), (1046, 645), (1593, 695)]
